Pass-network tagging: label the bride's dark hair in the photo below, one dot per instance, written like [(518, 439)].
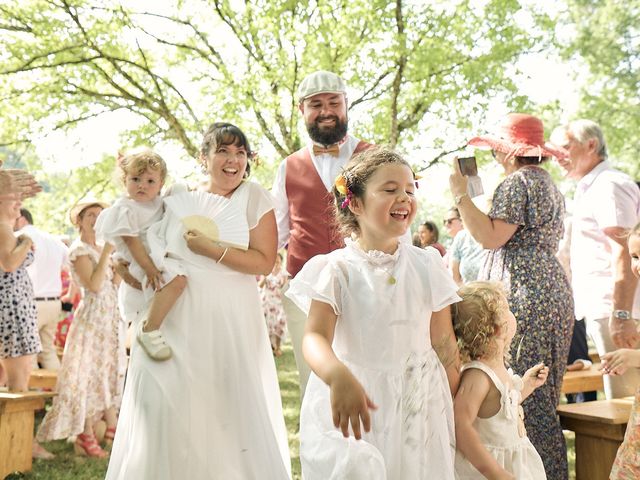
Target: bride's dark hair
[(222, 133)]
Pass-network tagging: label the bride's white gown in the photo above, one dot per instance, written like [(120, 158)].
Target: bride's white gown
[(213, 411)]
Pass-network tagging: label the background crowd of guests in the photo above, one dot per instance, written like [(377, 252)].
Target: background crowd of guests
[(515, 243)]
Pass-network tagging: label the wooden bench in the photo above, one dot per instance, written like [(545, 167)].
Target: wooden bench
[(599, 427), (583, 380), (43, 379), (16, 429)]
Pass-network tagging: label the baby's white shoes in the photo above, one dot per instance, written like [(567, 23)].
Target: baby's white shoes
[(154, 343)]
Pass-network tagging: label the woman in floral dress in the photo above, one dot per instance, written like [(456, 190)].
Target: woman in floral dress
[(271, 295), (627, 463), (522, 232), (91, 377)]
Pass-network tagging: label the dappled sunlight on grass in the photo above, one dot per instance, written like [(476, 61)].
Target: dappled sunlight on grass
[(68, 466), (290, 391)]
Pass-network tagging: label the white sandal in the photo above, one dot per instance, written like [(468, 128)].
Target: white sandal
[(154, 344)]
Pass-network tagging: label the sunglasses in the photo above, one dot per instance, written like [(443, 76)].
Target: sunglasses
[(449, 221)]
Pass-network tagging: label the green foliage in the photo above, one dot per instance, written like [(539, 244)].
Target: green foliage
[(607, 39), (62, 190), (181, 65)]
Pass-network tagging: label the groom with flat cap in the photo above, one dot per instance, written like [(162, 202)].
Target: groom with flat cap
[(303, 188)]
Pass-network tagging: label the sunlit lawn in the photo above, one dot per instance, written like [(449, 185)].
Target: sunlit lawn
[(67, 466)]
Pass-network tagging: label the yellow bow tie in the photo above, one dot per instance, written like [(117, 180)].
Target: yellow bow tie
[(333, 150)]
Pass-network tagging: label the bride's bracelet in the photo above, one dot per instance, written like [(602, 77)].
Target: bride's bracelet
[(223, 254)]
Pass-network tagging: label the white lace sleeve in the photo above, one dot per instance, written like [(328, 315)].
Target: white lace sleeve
[(117, 221)]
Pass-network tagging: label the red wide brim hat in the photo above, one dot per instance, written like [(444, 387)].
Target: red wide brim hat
[(519, 135)]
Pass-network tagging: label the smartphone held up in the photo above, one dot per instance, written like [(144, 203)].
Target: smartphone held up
[(469, 168)]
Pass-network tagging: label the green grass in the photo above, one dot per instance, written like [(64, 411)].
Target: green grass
[(68, 466)]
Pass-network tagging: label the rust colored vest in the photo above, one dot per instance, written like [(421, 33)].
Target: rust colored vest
[(311, 225)]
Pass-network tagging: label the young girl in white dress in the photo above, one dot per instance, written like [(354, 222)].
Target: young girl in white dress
[(491, 438), (125, 224), (379, 402), (214, 411)]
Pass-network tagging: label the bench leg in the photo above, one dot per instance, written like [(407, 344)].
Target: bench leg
[(16, 435), (594, 457)]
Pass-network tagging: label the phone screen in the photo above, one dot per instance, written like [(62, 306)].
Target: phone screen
[(468, 166)]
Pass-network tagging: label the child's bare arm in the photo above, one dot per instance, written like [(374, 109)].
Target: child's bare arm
[(534, 378), (349, 401), (619, 361), (474, 388), (444, 343), (141, 256)]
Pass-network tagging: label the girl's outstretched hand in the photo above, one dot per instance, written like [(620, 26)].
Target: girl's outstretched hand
[(536, 375), (350, 403), (619, 361)]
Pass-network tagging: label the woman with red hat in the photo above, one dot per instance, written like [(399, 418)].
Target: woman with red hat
[(521, 232)]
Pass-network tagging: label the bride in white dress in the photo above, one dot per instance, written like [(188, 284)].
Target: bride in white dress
[(214, 410)]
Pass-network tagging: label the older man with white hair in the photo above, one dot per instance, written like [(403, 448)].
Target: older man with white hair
[(606, 206)]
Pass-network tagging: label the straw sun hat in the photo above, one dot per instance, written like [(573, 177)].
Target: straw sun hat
[(519, 135), (80, 205)]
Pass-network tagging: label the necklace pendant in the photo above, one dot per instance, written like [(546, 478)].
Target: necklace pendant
[(392, 280)]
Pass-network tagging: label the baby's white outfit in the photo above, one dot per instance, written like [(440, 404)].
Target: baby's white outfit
[(503, 434), (129, 218)]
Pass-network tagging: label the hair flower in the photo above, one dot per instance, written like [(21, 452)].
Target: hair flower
[(341, 184), (416, 177)]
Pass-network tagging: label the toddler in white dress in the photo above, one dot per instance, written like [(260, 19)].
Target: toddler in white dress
[(379, 338), (491, 438), (125, 224)]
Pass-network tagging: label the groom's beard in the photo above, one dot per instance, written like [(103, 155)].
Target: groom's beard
[(328, 136)]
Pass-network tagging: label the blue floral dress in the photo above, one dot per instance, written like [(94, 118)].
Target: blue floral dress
[(18, 328), (539, 296)]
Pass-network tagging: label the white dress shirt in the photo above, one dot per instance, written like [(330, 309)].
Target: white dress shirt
[(604, 198), (50, 257)]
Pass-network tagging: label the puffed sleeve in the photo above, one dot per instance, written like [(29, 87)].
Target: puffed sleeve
[(78, 249), (510, 201), (440, 289), (176, 189), (320, 279), (260, 202), (117, 221)]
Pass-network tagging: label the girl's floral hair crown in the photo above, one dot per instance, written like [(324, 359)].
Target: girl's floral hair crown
[(342, 188), (342, 183)]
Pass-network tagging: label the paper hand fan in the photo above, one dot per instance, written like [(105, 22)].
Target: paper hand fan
[(213, 215)]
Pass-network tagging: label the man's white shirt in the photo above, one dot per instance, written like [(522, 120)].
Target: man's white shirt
[(51, 256), (605, 198)]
